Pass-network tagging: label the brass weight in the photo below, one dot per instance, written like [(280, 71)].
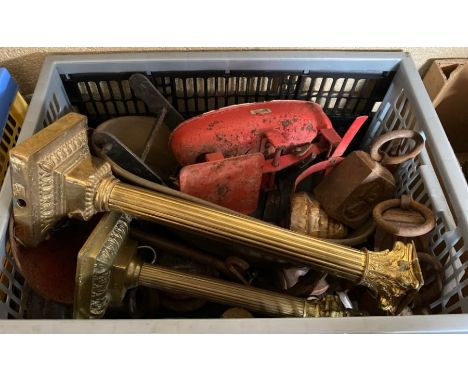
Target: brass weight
[(309, 219), (54, 176)]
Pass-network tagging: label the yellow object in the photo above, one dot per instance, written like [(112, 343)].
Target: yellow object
[(11, 132), (309, 219), (10, 136)]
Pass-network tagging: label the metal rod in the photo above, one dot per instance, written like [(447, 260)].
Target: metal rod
[(171, 246), (336, 259), (224, 292)]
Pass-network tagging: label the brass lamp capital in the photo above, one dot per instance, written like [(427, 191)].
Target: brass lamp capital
[(394, 275)]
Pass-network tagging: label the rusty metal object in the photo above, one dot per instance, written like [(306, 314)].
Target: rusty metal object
[(54, 176), (359, 182), (49, 269), (309, 284), (308, 218), (336, 156), (400, 219), (380, 156), (361, 234), (353, 188), (238, 268), (404, 217), (232, 267), (240, 143), (108, 266), (358, 236), (139, 145)]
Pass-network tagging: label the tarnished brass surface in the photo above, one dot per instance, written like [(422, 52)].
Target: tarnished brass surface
[(309, 219), (53, 176), (395, 274), (99, 269), (224, 292), (108, 266)]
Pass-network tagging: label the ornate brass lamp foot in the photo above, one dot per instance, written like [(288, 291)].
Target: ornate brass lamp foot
[(107, 266), (54, 176)]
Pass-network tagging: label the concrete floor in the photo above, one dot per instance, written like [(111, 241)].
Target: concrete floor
[(25, 63)]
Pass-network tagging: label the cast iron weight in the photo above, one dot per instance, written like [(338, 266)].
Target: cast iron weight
[(54, 177), (360, 181)]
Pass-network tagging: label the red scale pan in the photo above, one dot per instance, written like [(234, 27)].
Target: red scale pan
[(226, 152)]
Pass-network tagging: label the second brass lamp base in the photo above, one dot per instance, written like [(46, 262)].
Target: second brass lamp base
[(54, 176), (108, 266)]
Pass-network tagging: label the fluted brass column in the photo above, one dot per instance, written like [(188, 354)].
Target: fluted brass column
[(108, 265), (337, 259), (229, 293)]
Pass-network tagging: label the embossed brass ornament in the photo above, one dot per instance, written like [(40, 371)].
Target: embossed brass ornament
[(308, 218), (108, 266), (54, 177)]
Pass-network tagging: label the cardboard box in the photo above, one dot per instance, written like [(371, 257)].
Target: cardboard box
[(446, 81)]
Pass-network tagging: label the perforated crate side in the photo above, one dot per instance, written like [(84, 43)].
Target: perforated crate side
[(418, 178), (11, 287), (11, 282), (11, 132), (12, 304)]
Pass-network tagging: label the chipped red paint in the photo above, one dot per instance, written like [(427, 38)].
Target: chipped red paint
[(233, 182), (242, 129)]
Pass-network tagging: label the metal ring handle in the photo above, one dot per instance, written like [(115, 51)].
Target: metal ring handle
[(386, 159), (394, 229)]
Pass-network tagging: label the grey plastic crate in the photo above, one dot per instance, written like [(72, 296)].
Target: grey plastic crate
[(401, 102)]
